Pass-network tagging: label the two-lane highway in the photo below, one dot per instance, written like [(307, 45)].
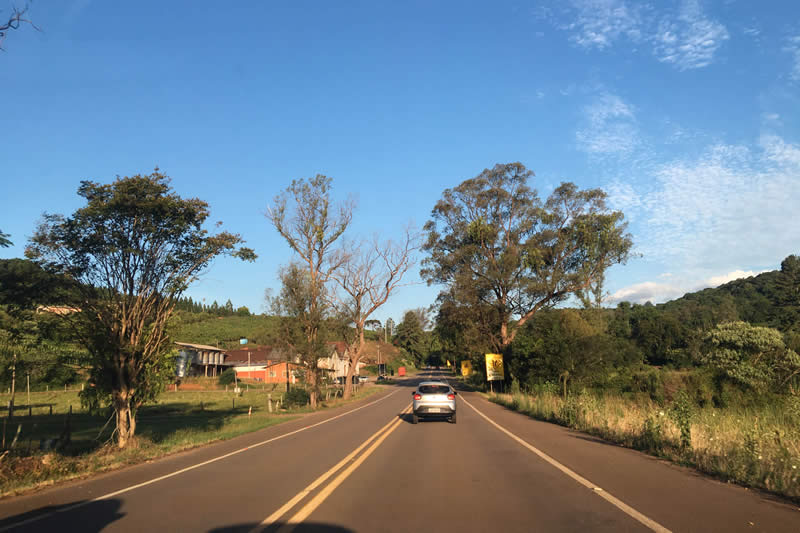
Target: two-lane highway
[(365, 467)]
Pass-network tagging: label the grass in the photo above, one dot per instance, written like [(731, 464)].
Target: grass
[(179, 421), (755, 447)]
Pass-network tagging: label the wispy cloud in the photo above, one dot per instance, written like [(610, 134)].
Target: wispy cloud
[(690, 40), (686, 38), (732, 206), (599, 23), (609, 127), (793, 47)]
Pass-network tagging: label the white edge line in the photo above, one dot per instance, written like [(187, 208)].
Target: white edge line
[(624, 507), (183, 470)]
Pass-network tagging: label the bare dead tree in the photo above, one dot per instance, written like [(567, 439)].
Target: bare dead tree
[(366, 280), (305, 216), (16, 20)]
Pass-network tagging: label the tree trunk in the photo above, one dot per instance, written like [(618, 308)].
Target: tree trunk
[(126, 424), (355, 357), (312, 393)]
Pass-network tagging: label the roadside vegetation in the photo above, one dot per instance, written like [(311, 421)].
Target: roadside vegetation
[(756, 446), (177, 421)]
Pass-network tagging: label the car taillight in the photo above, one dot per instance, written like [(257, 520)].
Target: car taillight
[(451, 396), (418, 396)]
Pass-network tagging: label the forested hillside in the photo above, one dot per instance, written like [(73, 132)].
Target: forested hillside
[(745, 333)]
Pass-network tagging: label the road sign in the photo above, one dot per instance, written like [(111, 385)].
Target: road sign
[(242, 341), (494, 367), (466, 368)]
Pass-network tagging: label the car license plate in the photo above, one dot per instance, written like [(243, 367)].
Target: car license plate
[(433, 410)]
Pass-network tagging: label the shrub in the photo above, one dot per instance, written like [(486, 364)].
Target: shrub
[(651, 437), (296, 397), (228, 377), (572, 412), (681, 413)]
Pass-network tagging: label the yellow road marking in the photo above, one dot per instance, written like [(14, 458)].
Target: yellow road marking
[(321, 479), (187, 469), (616, 502)]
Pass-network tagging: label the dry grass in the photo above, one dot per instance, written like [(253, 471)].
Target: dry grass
[(754, 447)]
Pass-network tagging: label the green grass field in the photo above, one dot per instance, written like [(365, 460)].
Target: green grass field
[(180, 420)]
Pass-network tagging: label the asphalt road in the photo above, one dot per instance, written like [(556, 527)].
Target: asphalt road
[(365, 467)]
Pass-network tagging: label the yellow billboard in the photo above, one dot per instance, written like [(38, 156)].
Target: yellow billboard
[(494, 367), (466, 368)]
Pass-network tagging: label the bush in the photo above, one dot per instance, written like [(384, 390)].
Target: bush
[(296, 397), (681, 413), (572, 413), (228, 377), (651, 437)]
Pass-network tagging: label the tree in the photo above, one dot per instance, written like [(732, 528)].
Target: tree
[(751, 356), (410, 336), (388, 329), (311, 227), (493, 242), (366, 280), (5, 242), (16, 19), (787, 288), (133, 248)]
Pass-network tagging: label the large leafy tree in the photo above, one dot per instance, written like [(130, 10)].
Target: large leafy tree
[(305, 216), (133, 248), (493, 242)]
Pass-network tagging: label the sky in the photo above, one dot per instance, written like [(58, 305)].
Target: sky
[(686, 113)]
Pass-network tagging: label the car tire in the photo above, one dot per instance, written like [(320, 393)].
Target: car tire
[(453, 419), (414, 418)]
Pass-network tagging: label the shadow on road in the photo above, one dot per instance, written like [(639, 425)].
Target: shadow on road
[(305, 527), (90, 517)]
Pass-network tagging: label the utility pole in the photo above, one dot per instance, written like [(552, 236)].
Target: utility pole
[(13, 386), (28, 375)]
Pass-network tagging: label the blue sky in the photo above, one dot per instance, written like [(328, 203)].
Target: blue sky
[(687, 113)]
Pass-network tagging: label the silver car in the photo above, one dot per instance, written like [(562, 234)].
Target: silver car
[(434, 399)]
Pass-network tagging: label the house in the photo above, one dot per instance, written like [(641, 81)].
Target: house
[(337, 363), (198, 359), (263, 363), (273, 372)]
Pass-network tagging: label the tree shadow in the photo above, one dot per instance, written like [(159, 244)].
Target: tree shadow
[(89, 432), (89, 517)]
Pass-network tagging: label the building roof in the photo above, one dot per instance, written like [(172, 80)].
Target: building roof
[(257, 354), (340, 346), (200, 347)]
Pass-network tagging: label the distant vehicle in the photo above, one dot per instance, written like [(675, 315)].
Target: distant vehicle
[(381, 378), (363, 379), (434, 399)]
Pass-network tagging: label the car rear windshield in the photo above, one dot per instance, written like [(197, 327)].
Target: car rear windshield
[(434, 389)]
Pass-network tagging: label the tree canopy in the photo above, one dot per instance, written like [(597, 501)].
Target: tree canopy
[(492, 241), (132, 249)]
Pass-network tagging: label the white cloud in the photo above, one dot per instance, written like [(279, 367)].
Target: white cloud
[(686, 38), (690, 40), (609, 127), (649, 291), (731, 206), (716, 281), (660, 292)]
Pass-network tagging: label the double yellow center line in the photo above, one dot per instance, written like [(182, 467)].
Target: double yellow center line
[(376, 439)]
